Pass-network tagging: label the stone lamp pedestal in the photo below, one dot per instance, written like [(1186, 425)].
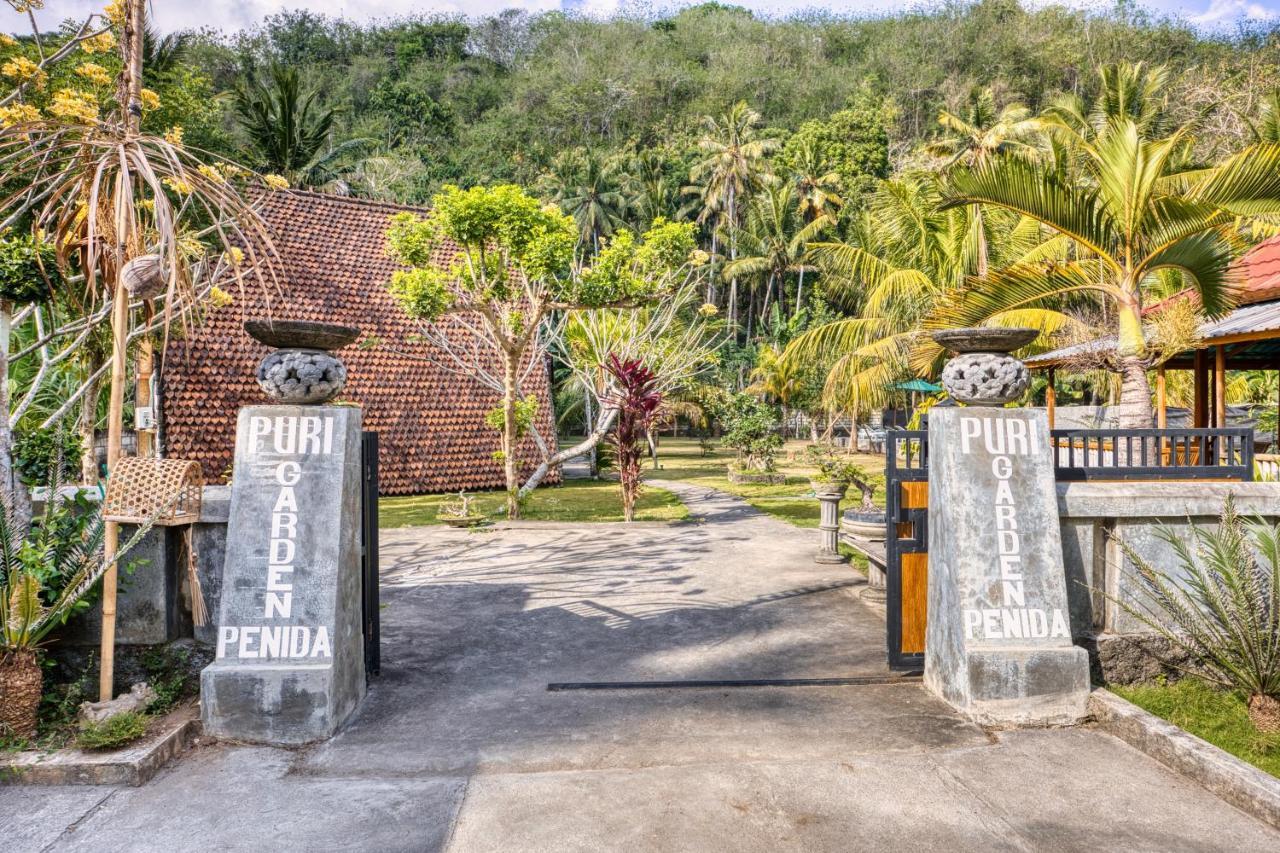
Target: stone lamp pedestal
[(290, 649), (829, 496), (998, 642)]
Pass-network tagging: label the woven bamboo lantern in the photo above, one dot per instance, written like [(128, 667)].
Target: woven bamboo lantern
[(158, 491)]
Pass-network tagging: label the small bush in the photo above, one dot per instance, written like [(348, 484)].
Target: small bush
[(37, 451), (112, 733)]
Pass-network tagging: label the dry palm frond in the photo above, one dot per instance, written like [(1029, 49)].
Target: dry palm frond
[(103, 196)]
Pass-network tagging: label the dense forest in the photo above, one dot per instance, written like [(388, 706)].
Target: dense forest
[(516, 96)]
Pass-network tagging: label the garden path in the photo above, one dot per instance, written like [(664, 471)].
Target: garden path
[(461, 746)]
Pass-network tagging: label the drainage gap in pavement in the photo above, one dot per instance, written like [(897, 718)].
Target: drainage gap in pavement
[(852, 681)]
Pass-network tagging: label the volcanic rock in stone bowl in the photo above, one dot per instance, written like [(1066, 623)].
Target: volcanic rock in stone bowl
[(301, 334), (984, 339)]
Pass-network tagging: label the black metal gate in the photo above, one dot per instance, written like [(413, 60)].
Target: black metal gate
[(369, 552), (906, 546)]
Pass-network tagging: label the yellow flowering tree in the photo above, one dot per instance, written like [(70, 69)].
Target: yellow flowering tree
[(86, 180)]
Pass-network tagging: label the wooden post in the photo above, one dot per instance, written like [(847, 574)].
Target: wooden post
[(1050, 398), (142, 388), (1200, 416), (1220, 386), (1162, 402)]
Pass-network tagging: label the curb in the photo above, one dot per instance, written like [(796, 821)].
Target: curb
[(134, 765), (1237, 782)]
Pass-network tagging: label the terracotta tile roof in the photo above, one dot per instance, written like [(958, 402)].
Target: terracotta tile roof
[(1260, 272), (432, 434)]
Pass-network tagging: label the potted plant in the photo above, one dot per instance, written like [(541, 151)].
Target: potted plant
[(834, 476), (460, 513), (47, 567)]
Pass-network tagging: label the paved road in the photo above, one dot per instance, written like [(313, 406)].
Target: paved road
[(460, 745)]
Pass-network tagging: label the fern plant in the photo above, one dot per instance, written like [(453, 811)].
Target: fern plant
[(1223, 607), (49, 565)]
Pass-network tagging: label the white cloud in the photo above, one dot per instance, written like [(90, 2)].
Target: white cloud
[(232, 15), (1225, 11)]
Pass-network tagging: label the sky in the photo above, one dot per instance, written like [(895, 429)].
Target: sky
[(231, 15)]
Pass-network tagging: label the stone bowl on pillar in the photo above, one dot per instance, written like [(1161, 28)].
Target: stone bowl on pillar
[(302, 370), (983, 373)]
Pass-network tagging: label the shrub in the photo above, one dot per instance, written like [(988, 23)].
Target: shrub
[(114, 732), (28, 270), (752, 431), (37, 451), (1224, 610)]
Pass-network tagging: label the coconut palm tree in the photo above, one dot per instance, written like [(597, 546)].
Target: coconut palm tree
[(649, 191), (977, 135), (777, 379), (1131, 215), (774, 242), (732, 168), (902, 256), (585, 185), (817, 183)]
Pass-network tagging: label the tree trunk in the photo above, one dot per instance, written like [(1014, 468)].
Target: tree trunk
[(784, 422), (606, 420), (800, 292), (982, 240), (509, 441), (652, 437), (1134, 411), (88, 436), (593, 460)]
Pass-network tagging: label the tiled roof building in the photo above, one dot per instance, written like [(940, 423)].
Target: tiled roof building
[(430, 421)]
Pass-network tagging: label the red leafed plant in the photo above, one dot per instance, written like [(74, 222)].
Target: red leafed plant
[(637, 399)]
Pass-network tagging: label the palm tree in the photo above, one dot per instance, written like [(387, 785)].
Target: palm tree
[(649, 191), (975, 137), (774, 242), (584, 184), (288, 130), (902, 256), (776, 379), (732, 168), (1131, 215), (817, 183), (1267, 127)]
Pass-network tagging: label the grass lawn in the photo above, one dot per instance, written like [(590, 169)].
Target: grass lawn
[(577, 500), (1215, 715), (793, 501)]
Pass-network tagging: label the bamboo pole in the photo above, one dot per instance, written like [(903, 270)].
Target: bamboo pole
[(128, 96), (111, 534)]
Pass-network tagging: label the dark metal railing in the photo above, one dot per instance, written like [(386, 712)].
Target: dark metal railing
[(1224, 453)]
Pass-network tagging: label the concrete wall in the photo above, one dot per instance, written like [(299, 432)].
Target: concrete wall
[(1094, 515), (154, 604)]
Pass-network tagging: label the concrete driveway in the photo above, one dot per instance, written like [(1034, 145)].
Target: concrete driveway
[(462, 746)]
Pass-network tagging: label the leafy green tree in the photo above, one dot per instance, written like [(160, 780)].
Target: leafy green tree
[(514, 268), (777, 379), (854, 140)]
